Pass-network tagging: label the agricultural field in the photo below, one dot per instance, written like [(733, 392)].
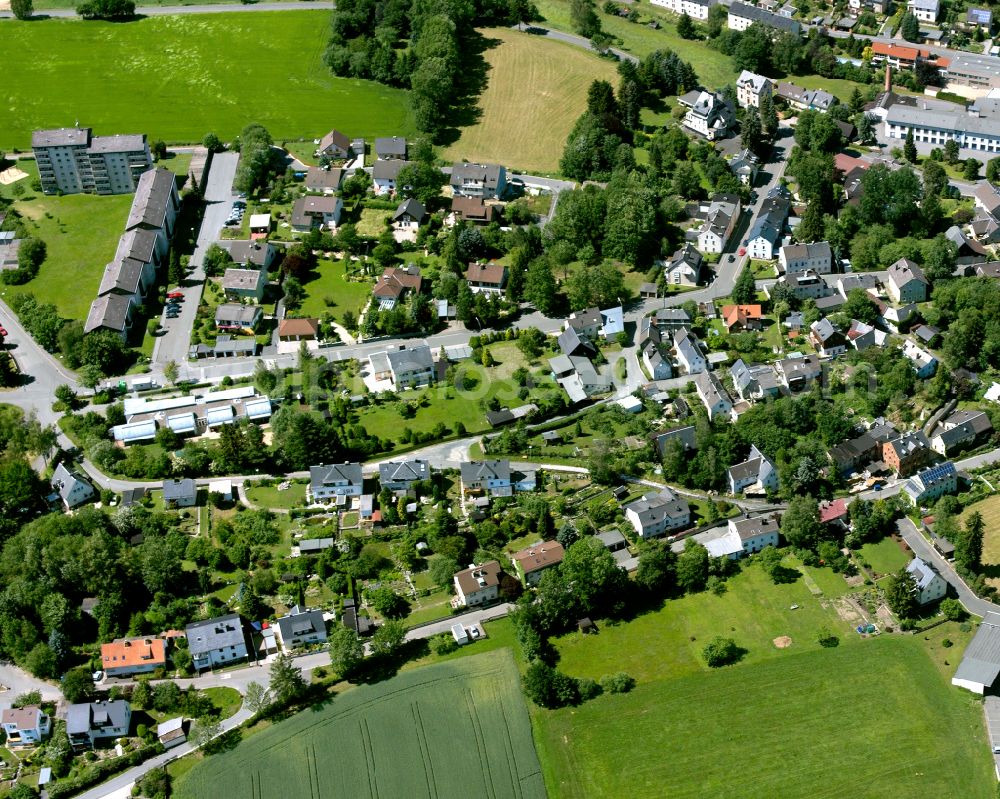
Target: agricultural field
[(536, 90), (208, 72), (990, 510), (865, 720), (457, 728)]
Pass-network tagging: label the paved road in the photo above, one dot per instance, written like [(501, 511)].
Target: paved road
[(173, 345), (922, 549), (221, 8), (570, 38), (14, 681)]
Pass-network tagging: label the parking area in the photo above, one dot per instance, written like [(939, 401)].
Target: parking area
[(991, 712)]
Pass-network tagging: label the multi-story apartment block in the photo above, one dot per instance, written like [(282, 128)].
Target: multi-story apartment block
[(71, 161)]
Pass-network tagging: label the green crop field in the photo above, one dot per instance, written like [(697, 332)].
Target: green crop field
[(990, 510), (875, 720), (178, 77), (536, 90), (457, 728)]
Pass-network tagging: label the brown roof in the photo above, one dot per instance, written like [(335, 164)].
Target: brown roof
[(468, 579), (24, 717), (298, 327), (395, 281), (318, 179), (135, 652), (473, 208), (337, 138), (486, 273), (539, 556)]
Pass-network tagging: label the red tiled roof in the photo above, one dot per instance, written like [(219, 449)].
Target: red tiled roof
[(831, 511), (136, 652), (733, 314)]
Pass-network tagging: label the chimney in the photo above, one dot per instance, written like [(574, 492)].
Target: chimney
[(888, 77)]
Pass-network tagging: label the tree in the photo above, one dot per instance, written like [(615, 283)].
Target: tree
[(910, 147), (859, 306), (584, 19), (287, 682), (175, 271), (388, 638), (909, 28), (204, 729), (257, 697), (212, 143), (692, 566), (22, 9), (953, 609), (900, 594), (768, 116), (811, 228), (752, 131), (745, 289), (657, 570), (721, 652), (66, 395), (294, 293), (969, 546), (800, 524), (549, 688), (685, 27), (216, 261), (951, 151), (77, 685), (171, 371), (540, 286), (346, 651), (522, 12), (387, 602), (41, 661), (935, 179), (993, 170), (940, 255), (420, 180), (970, 170)]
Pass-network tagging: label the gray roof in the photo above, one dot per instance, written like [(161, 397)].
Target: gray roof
[(87, 716), (61, 137), (336, 473), (174, 490), (64, 481), (654, 508), (124, 276), (403, 471), (814, 98), (611, 538), (153, 194), (764, 17), (957, 121), (139, 244), (212, 634), (686, 435), (243, 279), (110, 311), (390, 147), (118, 143), (981, 662), (388, 170), (410, 207), (411, 359), (243, 251), (474, 471), (234, 312), (570, 342), (819, 249), (301, 621), (923, 573), (904, 270), (318, 179), (581, 320), (751, 528), (488, 174)]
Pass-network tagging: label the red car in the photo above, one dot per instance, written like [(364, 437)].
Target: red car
[(3, 332), (175, 295), (742, 251)]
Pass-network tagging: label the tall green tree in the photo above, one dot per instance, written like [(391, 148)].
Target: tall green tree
[(910, 147), (800, 523), (812, 226), (900, 594), (287, 682), (752, 131), (745, 289), (22, 9), (692, 567), (909, 28), (346, 651), (583, 18), (685, 27)]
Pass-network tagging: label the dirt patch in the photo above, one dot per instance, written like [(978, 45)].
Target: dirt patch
[(782, 642), (847, 611), (855, 581)]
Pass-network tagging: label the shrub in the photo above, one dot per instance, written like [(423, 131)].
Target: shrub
[(588, 688), (827, 639), (618, 683), (947, 644), (953, 610), (722, 652), (443, 644)]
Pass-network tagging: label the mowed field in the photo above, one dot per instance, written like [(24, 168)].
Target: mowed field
[(990, 510), (536, 90), (458, 728), (178, 77), (871, 718)]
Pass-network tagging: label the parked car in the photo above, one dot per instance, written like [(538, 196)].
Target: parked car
[(742, 251), (175, 295)]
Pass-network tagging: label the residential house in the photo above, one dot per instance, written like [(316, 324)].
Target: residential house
[(893, 317), (923, 362), (907, 453), (324, 181), (805, 99), (145, 246), (930, 585), (833, 511), (73, 489), (765, 234), (250, 254), (90, 722), (861, 336), (473, 209), (385, 174), (713, 395), (130, 656), (827, 339), (755, 534), (298, 329), (708, 114), (745, 166), (486, 181), (931, 483), (25, 726), (924, 10), (657, 514), (404, 366), (685, 435), (656, 363), (180, 493), (926, 334), (393, 285), (530, 562), (802, 285), (71, 160), (571, 343), (741, 16), (586, 323), (612, 322), (754, 382), (112, 312), (336, 481), (477, 585), (670, 320), (401, 475), (314, 211), (866, 282), (854, 453), (409, 215), (757, 475), (898, 56), (739, 318), (806, 257), (486, 278), (906, 282), (751, 89), (216, 642), (684, 267), (970, 251), (720, 218), (979, 18), (977, 128), (696, 9), (390, 148), (301, 627), (129, 277), (980, 664), (244, 285), (960, 430), (334, 145), (236, 316), (494, 478), (689, 354), (798, 372)]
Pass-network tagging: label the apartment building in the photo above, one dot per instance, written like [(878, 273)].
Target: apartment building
[(73, 161)]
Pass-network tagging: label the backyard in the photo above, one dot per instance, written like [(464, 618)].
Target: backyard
[(328, 291), (223, 70)]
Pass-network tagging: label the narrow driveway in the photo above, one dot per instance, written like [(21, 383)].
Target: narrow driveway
[(570, 38), (222, 8), (173, 344)]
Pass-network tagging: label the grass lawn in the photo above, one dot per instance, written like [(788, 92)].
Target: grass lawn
[(714, 69), (871, 719), (885, 556), (371, 222), (271, 497), (81, 232), (452, 729), (227, 700), (327, 282), (429, 608), (990, 510), (206, 72), (537, 88)]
